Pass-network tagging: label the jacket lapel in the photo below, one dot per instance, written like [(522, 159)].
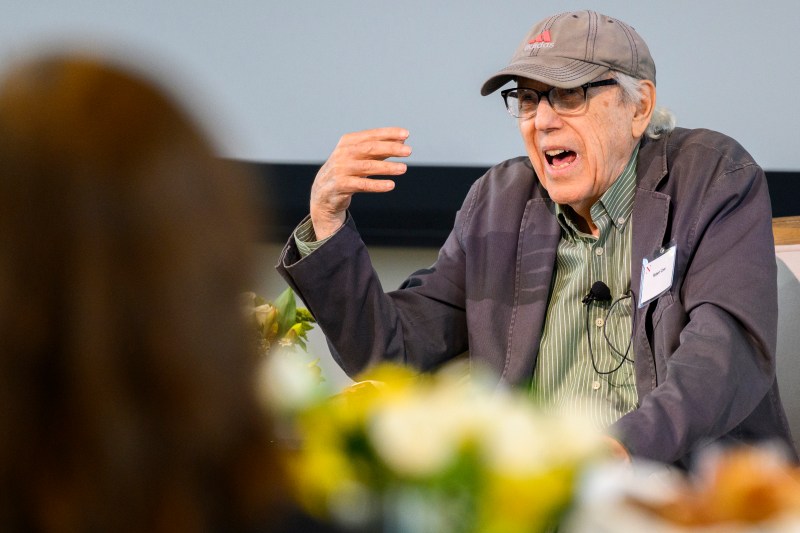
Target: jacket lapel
[(536, 255), (650, 220)]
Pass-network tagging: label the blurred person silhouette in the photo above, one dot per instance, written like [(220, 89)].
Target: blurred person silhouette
[(127, 398)]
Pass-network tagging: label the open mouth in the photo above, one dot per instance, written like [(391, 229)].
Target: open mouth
[(560, 158)]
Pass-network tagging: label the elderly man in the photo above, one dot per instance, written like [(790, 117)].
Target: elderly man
[(623, 266)]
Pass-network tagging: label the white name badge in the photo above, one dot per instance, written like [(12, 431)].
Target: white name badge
[(657, 275)]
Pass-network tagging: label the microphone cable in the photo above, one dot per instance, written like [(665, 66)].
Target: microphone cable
[(600, 292)]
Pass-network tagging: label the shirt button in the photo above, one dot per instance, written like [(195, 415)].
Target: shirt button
[(595, 385), (598, 251), (599, 322), (621, 221)]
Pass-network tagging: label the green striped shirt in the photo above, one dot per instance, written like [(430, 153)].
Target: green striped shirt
[(306, 239), (566, 378)]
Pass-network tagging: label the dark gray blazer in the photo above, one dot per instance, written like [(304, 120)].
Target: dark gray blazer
[(705, 350)]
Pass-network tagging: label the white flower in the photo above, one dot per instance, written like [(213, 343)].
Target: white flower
[(286, 381), (418, 435), (573, 437), (264, 313), (521, 439), (515, 441), (352, 505)]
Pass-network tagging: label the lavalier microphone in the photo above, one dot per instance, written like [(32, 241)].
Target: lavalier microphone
[(598, 293)]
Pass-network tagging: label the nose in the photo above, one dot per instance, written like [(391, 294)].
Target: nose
[(546, 118)]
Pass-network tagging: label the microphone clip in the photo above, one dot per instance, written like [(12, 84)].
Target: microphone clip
[(598, 293)]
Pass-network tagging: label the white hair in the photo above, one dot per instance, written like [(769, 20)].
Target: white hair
[(663, 120)]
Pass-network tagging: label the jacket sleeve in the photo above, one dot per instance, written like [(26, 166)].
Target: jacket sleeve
[(712, 336), (422, 324)]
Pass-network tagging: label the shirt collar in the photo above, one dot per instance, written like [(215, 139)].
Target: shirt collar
[(617, 201)]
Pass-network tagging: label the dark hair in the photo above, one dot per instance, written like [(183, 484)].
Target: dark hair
[(127, 398)]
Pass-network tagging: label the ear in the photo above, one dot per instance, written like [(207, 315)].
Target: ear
[(644, 108)]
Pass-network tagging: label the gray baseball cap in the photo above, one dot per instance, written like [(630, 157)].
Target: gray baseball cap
[(570, 49)]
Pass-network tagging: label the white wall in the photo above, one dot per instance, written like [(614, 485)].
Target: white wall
[(284, 79)]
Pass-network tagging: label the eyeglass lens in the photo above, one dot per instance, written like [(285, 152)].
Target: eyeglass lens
[(523, 102)]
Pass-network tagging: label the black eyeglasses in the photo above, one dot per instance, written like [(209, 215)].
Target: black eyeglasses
[(522, 102)]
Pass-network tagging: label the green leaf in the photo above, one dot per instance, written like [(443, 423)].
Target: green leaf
[(287, 311)]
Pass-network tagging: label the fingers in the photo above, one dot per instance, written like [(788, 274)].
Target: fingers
[(377, 134), (340, 173), (358, 157), (377, 145), (362, 154)]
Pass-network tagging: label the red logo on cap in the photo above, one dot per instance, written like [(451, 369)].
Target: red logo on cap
[(541, 41), (543, 37)]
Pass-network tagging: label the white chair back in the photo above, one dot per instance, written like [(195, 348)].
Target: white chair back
[(787, 252)]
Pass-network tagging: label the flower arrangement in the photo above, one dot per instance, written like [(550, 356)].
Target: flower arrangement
[(281, 322), (401, 451), (435, 452), (288, 380)]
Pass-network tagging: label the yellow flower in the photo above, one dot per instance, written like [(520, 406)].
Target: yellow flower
[(518, 504), (319, 472)]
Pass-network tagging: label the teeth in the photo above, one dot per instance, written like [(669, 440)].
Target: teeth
[(553, 153)]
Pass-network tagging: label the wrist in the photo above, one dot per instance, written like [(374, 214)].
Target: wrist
[(325, 226)]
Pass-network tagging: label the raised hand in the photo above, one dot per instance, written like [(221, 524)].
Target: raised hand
[(348, 170)]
